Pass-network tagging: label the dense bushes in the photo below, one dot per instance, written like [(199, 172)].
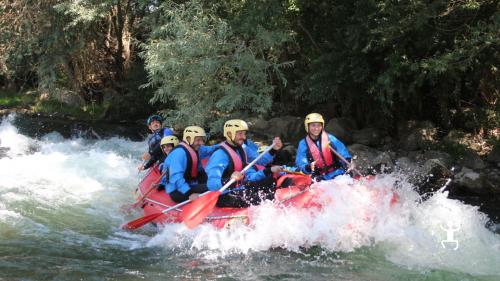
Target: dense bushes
[(377, 62)]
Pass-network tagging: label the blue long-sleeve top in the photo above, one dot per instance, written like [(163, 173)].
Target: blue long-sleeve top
[(303, 158), (218, 163), (252, 148), (176, 163), (155, 139)]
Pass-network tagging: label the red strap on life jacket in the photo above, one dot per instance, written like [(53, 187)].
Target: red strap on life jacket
[(204, 162), (235, 157), (324, 157), (194, 159)]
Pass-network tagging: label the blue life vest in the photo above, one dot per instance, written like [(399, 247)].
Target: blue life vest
[(156, 137)]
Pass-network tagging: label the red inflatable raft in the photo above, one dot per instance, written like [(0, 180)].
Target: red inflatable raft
[(154, 201)]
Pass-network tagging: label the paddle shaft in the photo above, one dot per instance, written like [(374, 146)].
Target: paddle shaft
[(150, 170), (344, 160), (232, 180), (151, 187), (226, 186)]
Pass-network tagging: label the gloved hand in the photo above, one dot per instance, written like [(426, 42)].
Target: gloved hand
[(351, 167), (237, 176), (276, 169), (312, 166), (146, 156)]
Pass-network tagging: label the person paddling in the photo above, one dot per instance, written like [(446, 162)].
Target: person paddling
[(166, 145), (314, 154), (252, 150), (186, 178), (228, 161), (155, 153)]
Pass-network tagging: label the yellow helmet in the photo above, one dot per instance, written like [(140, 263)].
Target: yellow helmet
[(262, 148), (169, 140), (233, 126), (192, 132), (313, 118)]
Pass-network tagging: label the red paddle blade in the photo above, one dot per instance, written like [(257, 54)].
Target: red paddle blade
[(135, 224), (194, 213)]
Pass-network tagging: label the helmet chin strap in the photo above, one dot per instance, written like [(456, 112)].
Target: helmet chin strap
[(231, 142)]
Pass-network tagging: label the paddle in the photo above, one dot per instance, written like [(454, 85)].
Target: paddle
[(137, 223), (150, 189), (195, 213), (345, 161), (142, 165)]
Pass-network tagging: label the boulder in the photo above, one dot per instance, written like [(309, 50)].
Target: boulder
[(471, 160), (494, 155), (471, 181), (257, 124), (405, 165), (384, 162), (492, 180), (443, 157), (341, 128), (363, 157), (433, 175), (418, 157), (368, 136), (414, 135), (289, 128)]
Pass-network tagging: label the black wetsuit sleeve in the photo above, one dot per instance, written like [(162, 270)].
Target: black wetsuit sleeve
[(155, 156)]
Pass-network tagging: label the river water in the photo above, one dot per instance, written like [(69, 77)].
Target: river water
[(60, 219)]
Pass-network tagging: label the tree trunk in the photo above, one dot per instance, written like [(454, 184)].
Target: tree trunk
[(122, 22)]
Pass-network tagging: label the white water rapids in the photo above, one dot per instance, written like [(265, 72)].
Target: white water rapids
[(59, 195)]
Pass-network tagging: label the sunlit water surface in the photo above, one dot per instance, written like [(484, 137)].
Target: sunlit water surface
[(60, 219)]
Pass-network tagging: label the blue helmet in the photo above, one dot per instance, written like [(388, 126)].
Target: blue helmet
[(153, 118)]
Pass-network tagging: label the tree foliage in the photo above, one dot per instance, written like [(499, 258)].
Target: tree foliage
[(377, 61), (392, 60), (65, 43), (206, 71)]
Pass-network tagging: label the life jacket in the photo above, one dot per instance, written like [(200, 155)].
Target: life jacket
[(325, 161), (236, 163), (156, 137), (192, 163)]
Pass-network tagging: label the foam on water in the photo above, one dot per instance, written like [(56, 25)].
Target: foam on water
[(54, 181), (71, 190), (10, 138), (357, 214)]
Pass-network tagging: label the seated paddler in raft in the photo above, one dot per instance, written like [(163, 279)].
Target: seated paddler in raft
[(253, 151), (186, 178), (228, 161), (155, 153), (314, 154), (167, 144)]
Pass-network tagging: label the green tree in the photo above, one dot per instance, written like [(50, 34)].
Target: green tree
[(64, 43), (205, 72), (387, 60)]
